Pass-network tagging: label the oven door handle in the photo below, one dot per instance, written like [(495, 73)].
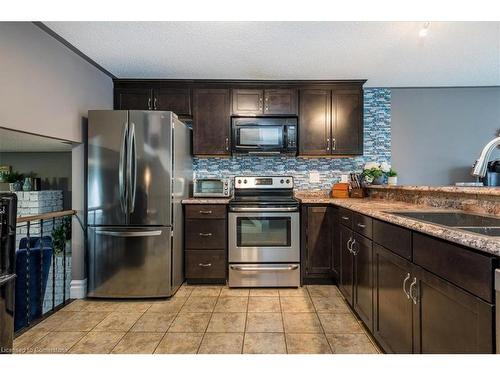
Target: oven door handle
[(247, 268), (269, 209)]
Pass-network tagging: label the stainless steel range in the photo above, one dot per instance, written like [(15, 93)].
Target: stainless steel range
[(264, 233)]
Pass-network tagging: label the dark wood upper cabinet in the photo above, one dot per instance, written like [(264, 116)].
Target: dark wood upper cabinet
[(280, 102), (211, 122), (448, 320), (330, 122), (134, 99), (314, 122), (347, 122), (248, 102), (392, 324), (173, 99), (318, 252)]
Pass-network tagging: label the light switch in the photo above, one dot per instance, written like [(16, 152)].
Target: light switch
[(313, 177)]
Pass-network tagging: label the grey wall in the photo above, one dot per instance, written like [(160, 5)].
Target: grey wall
[(437, 133), (54, 168), (47, 89)]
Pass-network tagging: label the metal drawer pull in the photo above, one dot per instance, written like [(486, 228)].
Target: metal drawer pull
[(205, 234), (345, 218), (412, 285), (361, 225), (205, 265), (354, 252), (247, 268), (349, 245), (206, 212), (404, 285)]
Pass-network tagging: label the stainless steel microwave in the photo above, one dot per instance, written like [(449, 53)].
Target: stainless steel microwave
[(265, 136), (212, 187)]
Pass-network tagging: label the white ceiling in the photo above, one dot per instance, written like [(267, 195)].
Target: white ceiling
[(14, 141), (388, 54)]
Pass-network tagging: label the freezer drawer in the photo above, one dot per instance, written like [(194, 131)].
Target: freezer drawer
[(129, 262), (6, 313), (264, 275)]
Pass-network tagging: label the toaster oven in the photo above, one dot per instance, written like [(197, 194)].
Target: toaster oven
[(212, 187)]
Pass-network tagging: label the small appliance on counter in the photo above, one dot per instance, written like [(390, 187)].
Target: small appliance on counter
[(8, 212), (212, 188), (264, 233), (492, 177)]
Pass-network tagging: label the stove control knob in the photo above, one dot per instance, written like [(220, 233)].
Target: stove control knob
[(244, 181), (287, 181), (282, 181), (239, 181)]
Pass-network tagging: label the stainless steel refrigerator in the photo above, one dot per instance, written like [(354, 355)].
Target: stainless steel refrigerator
[(139, 169)]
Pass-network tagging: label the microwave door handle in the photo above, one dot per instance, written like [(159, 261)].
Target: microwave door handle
[(249, 147)]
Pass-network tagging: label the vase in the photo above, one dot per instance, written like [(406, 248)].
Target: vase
[(378, 181), (392, 181), (27, 184)]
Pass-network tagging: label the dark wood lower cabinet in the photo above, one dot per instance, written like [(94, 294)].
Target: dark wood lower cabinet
[(363, 279), (447, 319), (393, 323), (346, 284), (317, 222), (205, 243), (336, 243)]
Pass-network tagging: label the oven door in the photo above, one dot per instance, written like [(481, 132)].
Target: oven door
[(264, 237)]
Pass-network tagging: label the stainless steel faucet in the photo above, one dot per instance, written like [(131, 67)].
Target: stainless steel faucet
[(480, 166)]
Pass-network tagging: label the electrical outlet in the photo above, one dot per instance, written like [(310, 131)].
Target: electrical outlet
[(314, 177)]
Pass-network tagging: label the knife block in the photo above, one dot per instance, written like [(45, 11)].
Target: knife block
[(358, 193)]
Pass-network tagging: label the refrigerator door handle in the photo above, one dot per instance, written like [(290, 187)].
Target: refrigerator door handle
[(139, 233), (131, 169), (121, 175)]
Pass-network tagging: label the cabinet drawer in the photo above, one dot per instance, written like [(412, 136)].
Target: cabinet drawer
[(205, 264), (362, 224), (205, 211), (205, 234), (345, 217), (392, 237), (465, 268)]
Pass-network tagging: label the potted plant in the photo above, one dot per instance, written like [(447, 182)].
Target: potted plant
[(392, 177), (14, 180), (61, 235), (372, 174)]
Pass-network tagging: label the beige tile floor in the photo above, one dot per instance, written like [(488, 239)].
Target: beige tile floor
[(205, 319)]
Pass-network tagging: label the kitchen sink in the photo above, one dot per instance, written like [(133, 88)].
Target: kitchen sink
[(485, 225)]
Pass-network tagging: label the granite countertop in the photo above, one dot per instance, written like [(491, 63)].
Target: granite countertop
[(206, 200), (377, 208), (487, 190)]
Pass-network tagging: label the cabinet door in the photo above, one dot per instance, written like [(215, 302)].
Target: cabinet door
[(280, 102), (336, 242), (392, 325), (346, 284), (133, 99), (347, 124), (449, 320), (314, 122), (318, 245), (248, 102), (175, 100), (211, 122), (363, 279)]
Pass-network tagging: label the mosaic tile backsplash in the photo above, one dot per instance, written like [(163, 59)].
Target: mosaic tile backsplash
[(377, 147)]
